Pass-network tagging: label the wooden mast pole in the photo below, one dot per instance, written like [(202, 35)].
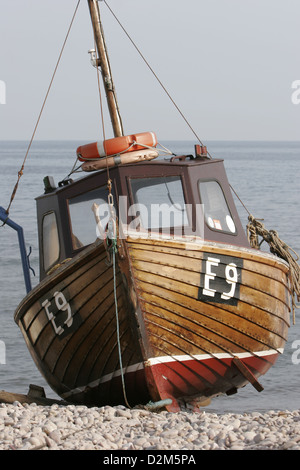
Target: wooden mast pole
[(103, 62)]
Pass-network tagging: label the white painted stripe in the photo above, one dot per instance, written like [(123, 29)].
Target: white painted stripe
[(167, 359), (105, 378), (204, 357)]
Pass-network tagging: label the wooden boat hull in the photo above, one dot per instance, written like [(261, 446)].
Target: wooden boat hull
[(80, 360), (195, 320), (200, 345)]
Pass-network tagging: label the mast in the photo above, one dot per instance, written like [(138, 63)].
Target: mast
[(103, 62)]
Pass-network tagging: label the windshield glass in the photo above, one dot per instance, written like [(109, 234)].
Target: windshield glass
[(159, 202), (50, 240), (216, 212), (89, 215)]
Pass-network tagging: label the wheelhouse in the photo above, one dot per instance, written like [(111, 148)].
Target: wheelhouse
[(182, 197)]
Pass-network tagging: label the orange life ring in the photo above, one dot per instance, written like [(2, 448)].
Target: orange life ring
[(128, 143), (121, 159)]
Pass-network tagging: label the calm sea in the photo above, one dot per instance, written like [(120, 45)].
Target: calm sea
[(266, 177)]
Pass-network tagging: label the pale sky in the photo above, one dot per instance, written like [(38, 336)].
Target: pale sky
[(228, 64)]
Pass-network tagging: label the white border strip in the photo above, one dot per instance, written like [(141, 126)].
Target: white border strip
[(165, 359), (204, 357), (105, 378)]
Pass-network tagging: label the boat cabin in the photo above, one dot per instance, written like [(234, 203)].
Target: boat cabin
[(182, 196)]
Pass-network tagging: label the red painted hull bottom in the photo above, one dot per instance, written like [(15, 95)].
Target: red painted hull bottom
[(192, 382), (187, 382)]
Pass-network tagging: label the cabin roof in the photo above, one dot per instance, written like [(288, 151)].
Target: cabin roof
[(135, 169)]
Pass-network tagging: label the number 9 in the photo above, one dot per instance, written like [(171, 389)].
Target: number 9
[(231, 278), (63, 305)]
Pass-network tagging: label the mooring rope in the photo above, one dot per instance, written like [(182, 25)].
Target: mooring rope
[(20, 172), (112, 248), (256, 228)]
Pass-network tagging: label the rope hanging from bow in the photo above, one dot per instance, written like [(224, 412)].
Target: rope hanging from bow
[(256, 228)]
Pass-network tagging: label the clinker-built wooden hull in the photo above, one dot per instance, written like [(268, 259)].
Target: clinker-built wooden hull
[(202, 341), (69, 324), (195, 320)]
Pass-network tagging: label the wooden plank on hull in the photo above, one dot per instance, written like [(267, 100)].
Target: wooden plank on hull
[(195, 265), (255, 282), (92, 326), (229, 338), (207, 312), (194, 250), (259, 300), (44, 340)]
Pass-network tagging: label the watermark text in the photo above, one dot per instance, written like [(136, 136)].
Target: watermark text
[(296, 353), (296, 94), (151, 219), (2, 352), (2, 92)]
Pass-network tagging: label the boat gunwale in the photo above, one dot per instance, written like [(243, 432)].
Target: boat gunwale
[(57, 276), (197, 244)]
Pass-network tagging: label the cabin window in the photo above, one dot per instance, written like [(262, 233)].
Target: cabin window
[(89, 214), (50, 240), (216, 211), (158, 202)]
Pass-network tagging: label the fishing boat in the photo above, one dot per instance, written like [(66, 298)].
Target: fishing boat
[(150, 290)]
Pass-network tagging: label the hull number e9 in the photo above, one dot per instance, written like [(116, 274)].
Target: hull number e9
[(220, 279), (53, 310)]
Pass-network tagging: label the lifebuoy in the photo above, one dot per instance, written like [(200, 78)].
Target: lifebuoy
[(105, 148), (121, 159)]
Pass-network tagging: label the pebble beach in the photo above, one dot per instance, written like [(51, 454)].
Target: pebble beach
[(56, 427)]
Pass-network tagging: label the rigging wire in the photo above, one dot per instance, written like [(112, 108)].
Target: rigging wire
[(20, 172), (155, 75)]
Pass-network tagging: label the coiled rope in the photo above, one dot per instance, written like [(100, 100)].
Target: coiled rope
[(256, 228)]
